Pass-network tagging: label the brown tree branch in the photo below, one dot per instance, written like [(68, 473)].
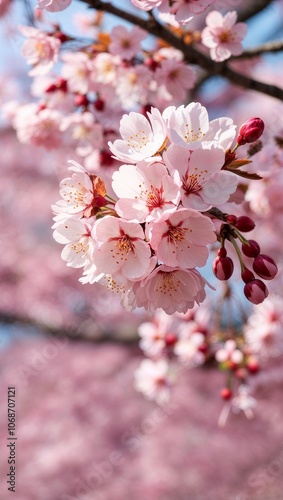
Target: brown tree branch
[(270, 47), (192, 55), (252, 9)]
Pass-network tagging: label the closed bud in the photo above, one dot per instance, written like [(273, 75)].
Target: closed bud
[(250, 131), (245, 224), (226, 393), (255, 291), (247, 276), (81, 100), (170, 339), (251, 248), (99, 104), (265, 267), (223, 268)]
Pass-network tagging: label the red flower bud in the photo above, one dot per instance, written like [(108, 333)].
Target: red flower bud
[(255, 291), (250, 131), (252, 366), (170, 339), (222, 252), (62, 84), (245, 224), (81, 100), (251, 248), (247, 276), (99, 104), (223, 268), (226, 393), (265, 267), (231, 219)]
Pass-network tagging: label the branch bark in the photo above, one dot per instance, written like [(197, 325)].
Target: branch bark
[(192, 55), (270, 47), (253, 9)]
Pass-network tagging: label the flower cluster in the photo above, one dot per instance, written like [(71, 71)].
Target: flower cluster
[(147, 245)]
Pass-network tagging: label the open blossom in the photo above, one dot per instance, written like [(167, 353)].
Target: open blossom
[(229, 353), (132, 86), (179, 239), (54, 5), (145, 191), (223, 36), (77, 70), (39, 127), (79, 246), (126, 43), (185, 10), (153, 333), (148, 4), (81, 194), (187, 349), (172, 289), (189, 126), (122, 249), (153, 379), (263, 331), (198, 173), (176, 76), (142, 138), (83, 132), (40, 49)]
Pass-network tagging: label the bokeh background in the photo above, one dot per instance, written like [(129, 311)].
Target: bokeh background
[(83, 433)]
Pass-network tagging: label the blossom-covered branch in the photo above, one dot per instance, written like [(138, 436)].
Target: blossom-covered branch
[(192, 54)]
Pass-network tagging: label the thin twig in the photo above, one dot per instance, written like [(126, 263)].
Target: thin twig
[(275, 46)]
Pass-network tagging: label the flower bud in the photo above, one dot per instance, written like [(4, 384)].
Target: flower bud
[(231, 219), (251, 248), (170, 339), (265, 267), (81, 100), (255, 291), (223, 268), (226, 393), (250, 131), (244, 224), (247, 276), (252, 366), (99, 104)]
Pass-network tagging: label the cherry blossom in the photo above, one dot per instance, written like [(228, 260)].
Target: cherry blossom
[(148, 4), (153, 379), (76, 236), (77, 70), (189, 126), (40, 49), (187, 349), (39, 127), (83, 131), (145, 191), (142, 139), (122, 248), (223, 36), (172, 289), (229, 353), (185, 10), (177, 77), (202, 182), (179, 239), (153, 334), (126, 43), (81, 193), (54, 5)]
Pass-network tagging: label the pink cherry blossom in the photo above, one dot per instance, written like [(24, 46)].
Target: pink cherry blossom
[(172, 289), (76, 236), (202, 182), (39, 127), (153, 379), (189, 126), (223, 36), (40, 49), (263, 331), (54, 5), (132, 86), (145, 191), (105, 68), (82, 131), (185, 10), (79, 193), (176, 76), (122, 249), (179, 239), (141, 138), (148, 4), (229, 352), (126, 43), (77, 70), (153, 333), (187, 348)]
